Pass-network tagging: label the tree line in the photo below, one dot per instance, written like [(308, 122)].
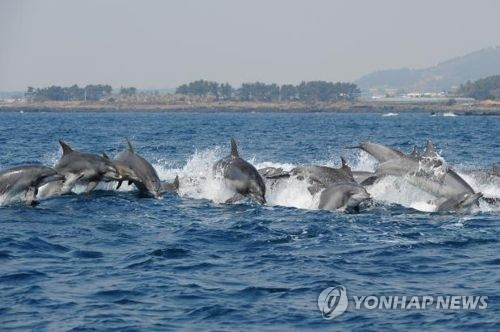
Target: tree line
[(305, 91), (482, 89), (258, 91), (91, 92)]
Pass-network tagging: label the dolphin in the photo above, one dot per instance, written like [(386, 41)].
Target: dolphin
[(448, 184), (320, 177), (379, 151), (27, 179), (171, 187), (273, 172), (338, 186), (459, 202), (241, 176), (138, 171), (427, 172), (343, 195), (83, 167)]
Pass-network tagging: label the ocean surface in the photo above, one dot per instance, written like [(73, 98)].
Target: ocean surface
[(113, 261)]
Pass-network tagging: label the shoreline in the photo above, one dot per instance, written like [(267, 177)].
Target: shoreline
[(477, 108)]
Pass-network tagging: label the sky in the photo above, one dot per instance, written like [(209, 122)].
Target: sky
[(161, 44)]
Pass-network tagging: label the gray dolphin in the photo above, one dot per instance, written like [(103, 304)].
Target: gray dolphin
[(138, 171), (379, 151), (320, 177), (343, 195), (338, 186), (86, 168), (420, 171), (448, 184), (27, 179), (321, 174), (459, 202), (241, 176)]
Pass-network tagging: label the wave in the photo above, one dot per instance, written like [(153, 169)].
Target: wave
[(390, 114), (451, 114), (197, 182)]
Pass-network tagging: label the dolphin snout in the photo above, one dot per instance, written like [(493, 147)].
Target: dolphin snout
[(260, 199), (53, 178), (59, 177), (113, 173)]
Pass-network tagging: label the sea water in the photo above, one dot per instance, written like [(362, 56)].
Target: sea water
[(114, 261)]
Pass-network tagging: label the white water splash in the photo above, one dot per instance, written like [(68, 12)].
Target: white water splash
[(197, 182)]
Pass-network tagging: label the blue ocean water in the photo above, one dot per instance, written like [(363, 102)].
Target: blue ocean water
[(113, 261)]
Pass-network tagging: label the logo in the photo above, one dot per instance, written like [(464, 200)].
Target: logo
[(332, 302)]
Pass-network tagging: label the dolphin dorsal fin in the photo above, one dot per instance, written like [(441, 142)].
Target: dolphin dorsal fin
[(130, 147), (344, 162), (414, 153), (346, 167), (430, 151), (234, 149), (176, 182), (65, 148), (105, 156)]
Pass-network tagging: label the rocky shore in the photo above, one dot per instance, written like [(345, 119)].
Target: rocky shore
[(483, 107)]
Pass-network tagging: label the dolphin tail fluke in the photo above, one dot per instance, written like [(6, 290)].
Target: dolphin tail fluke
[(369, 181), (171, 187), (65, 148), (237, 197), (234, 149), (130, 147), (119, 184)]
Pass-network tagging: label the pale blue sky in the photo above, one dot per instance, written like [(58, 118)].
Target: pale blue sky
[(161, 44)]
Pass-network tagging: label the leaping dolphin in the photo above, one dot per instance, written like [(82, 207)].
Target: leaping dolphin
[(343, 195), (426, 172), (337, 185), (83, 167), (459, 202), (26, 179), (137, 170), (241, 176), (379, 151)]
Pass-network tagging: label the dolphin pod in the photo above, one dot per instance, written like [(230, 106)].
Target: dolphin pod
[(26, 179), (426, 172), (337, 188)]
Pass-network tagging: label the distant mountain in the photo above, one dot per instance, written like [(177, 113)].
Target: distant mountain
[(445, 76)]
